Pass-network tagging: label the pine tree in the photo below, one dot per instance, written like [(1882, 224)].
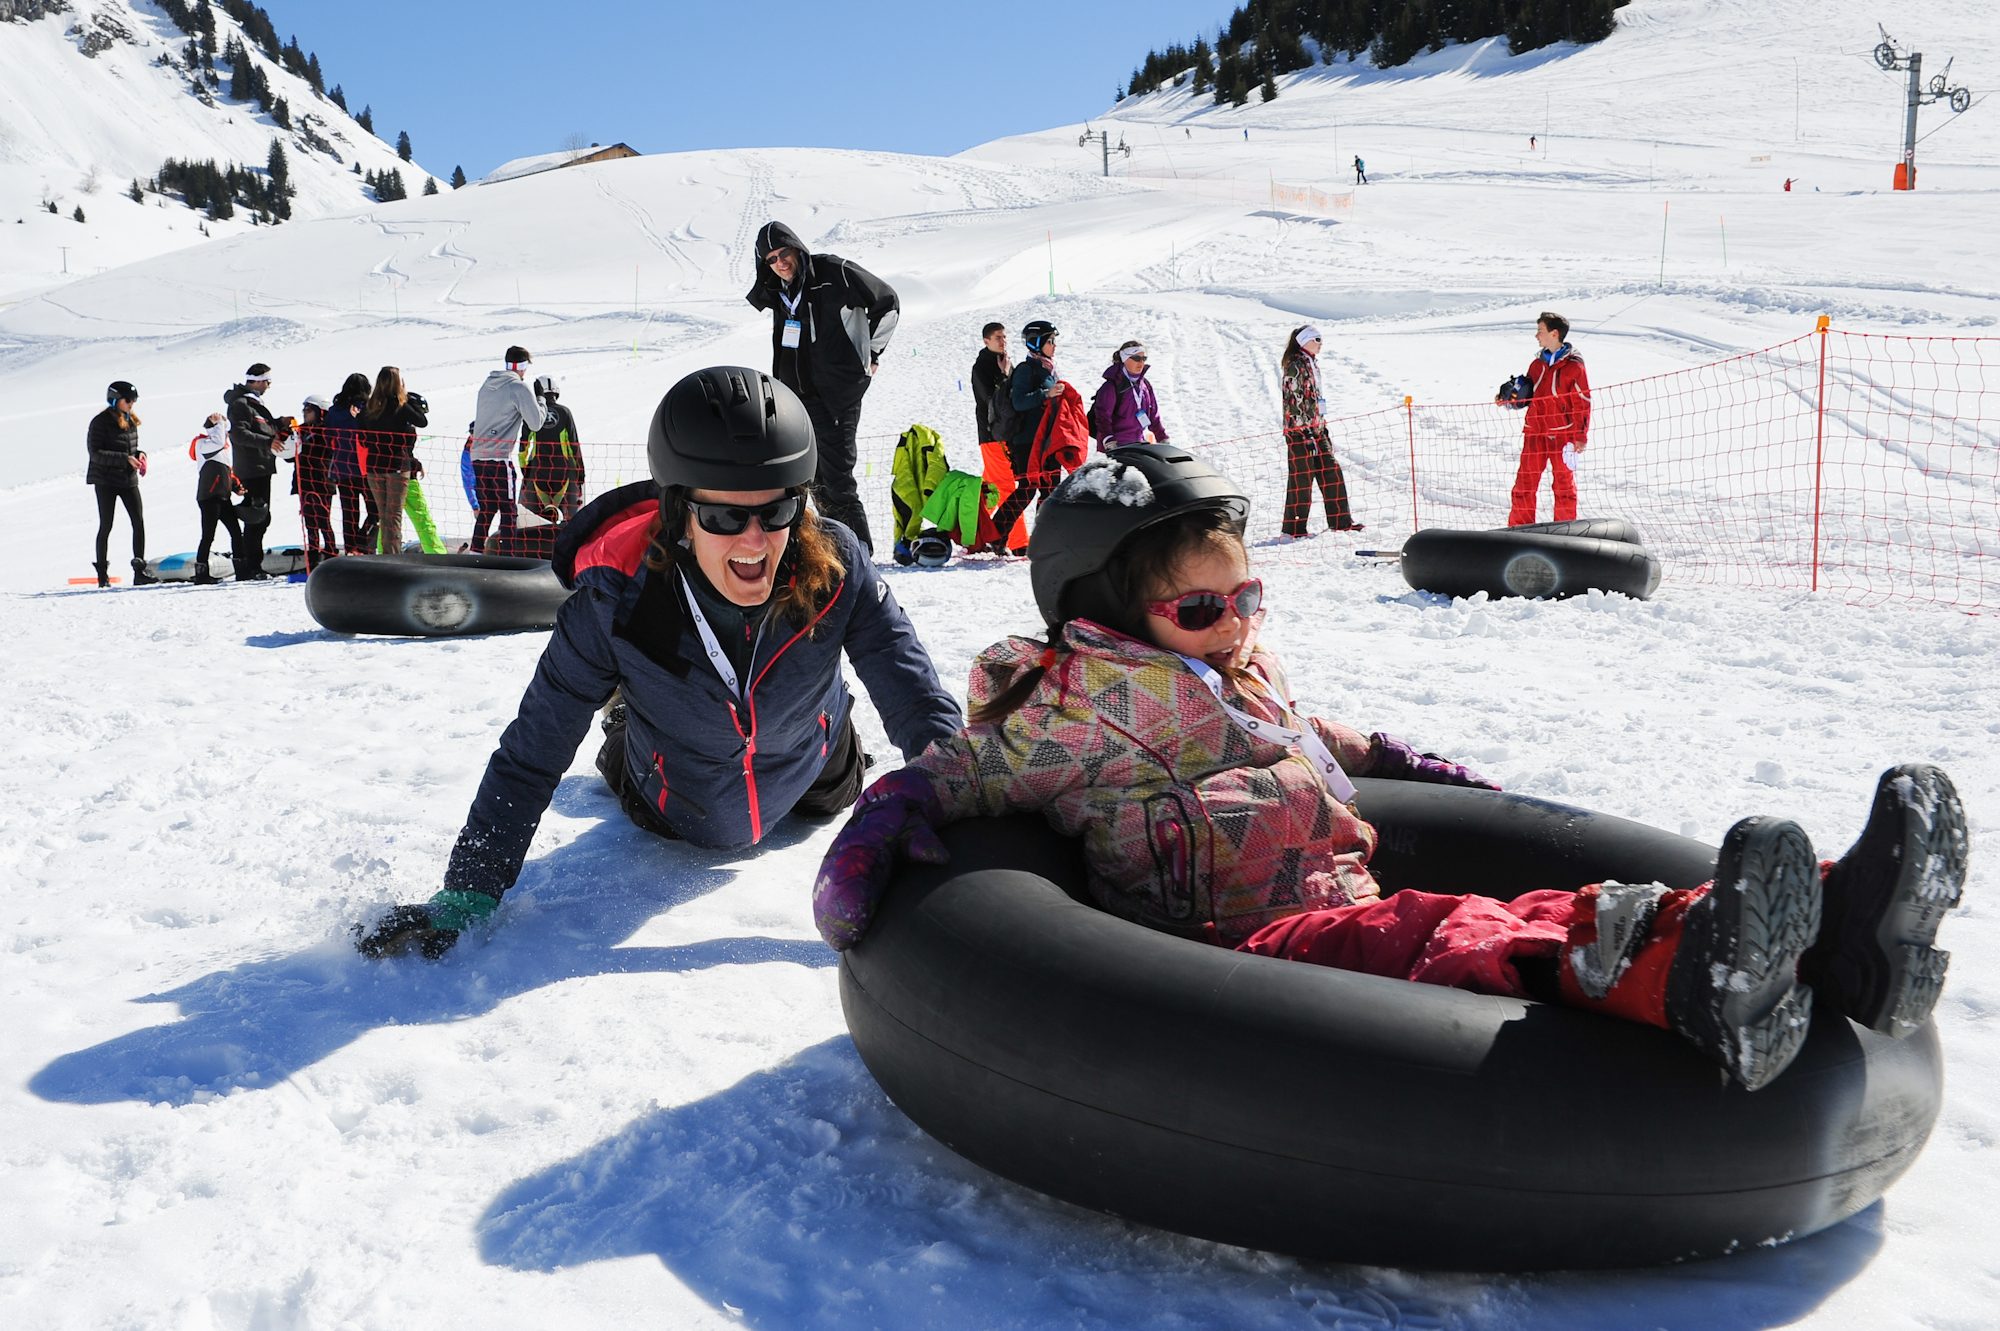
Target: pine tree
[(136, 194), (313, 74), (78, 214), (458, 177), (430, 185), (403, 144), (281, 111), (1269, 91), (338, 97), (366, 119)]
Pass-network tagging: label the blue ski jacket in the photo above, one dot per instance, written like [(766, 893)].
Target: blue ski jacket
[(720, 769)]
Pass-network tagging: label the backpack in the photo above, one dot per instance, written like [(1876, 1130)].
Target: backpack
[(1001, 418)]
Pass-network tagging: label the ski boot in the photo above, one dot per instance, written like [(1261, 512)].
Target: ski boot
[(1733, 990), (1884, 900)]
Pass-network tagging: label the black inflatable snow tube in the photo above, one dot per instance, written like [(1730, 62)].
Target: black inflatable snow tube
[(1344, 1117), (1530, 561), (433, 596), (1604, 529)]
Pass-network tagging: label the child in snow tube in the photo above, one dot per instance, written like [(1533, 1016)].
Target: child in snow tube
[(1152, 725)]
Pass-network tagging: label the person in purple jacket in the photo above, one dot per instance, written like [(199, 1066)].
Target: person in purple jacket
[(1125, 410)]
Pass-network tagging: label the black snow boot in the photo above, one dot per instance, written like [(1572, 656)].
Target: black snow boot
[(1885, 898), (103, 574), (1734, 990), (140, 577), (202, 577)]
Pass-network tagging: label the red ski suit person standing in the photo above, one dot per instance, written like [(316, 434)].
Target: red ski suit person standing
[(1557, 397)]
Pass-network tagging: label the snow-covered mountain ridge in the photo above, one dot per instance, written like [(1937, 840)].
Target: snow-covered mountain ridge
[(96, 94)]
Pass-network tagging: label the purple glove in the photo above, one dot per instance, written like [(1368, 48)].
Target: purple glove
[(1390, 757), (898, 815)]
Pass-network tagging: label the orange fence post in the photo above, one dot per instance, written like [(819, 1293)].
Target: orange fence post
[(1410, 419), (1819, 447)]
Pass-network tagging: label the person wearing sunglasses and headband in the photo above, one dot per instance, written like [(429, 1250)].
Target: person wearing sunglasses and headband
[(831, 320), (1125, 410), (1151, 725), (714, 606)]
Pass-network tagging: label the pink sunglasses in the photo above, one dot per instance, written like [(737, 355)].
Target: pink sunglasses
[(1199, 610)]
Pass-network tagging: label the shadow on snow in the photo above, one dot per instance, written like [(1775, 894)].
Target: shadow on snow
[(801, 1198), (253, 1025)]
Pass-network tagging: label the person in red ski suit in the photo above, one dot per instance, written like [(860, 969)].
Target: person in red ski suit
[(1152, 725), (1556, 394)]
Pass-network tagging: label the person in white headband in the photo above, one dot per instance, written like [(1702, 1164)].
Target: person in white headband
[(1309, 459)]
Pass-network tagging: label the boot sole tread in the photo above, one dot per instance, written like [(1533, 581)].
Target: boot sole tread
[(1760, 1013), (1891, 979)]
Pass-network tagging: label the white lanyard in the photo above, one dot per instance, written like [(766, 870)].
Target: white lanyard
[(716, 656), (1304, 742), (791, 303)]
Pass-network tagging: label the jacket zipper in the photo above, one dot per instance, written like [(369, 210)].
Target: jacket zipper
[(749, 737)]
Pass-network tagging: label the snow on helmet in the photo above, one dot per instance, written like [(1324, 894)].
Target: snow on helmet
[(120, 388), (731, 428), (932, 549), (1101, 506), (1035, 331)]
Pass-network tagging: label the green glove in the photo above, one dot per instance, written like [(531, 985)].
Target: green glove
[(431, 928)]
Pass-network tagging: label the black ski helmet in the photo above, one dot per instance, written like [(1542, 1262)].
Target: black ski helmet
[(1035, 331), (120, 388), (1101, 506), (731, 428)]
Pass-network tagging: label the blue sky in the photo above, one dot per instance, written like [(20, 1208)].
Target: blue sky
[(477, 84)]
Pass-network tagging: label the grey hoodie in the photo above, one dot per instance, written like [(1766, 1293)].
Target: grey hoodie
[(506, 403)]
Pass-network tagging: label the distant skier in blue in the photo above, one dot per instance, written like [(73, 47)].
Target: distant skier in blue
[(1360, 171)]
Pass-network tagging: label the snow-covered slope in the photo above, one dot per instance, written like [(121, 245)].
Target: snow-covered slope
[(635, 1101), (97, 93)]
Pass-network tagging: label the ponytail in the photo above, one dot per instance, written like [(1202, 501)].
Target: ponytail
[(1019, 689)]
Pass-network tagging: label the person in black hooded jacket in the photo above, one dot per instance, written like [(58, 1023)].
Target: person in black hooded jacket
[(254, 438), (831, 319)]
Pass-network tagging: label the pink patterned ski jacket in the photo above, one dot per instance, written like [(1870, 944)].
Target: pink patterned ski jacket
[(1190, 825)]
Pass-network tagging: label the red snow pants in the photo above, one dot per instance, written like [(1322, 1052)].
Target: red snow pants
[(1474, 942), (1538, 452)]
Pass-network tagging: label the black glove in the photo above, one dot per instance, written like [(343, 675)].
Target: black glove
[(402, 929), (431, 929)]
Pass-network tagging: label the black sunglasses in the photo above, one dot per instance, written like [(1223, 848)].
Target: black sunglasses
[(781, 514)]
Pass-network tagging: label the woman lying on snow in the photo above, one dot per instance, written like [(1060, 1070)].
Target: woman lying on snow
[(1152, 725), (714, 603)]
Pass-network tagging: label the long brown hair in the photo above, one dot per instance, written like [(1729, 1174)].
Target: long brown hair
[(388, 396), (1137, 571), (1293, 351), (806, 573)]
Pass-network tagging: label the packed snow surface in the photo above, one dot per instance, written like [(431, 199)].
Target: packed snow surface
[(634, 1101)]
